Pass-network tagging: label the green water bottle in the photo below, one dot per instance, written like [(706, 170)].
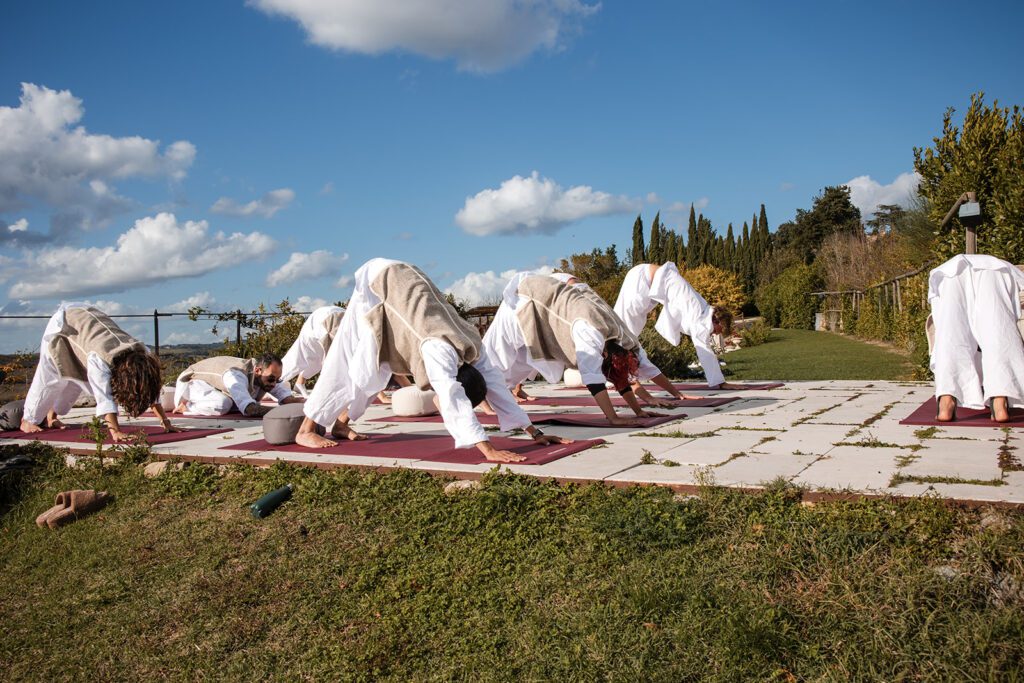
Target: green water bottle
[(270, 502)]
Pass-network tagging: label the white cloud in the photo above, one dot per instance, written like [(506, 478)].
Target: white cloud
[(200, 299), (477, 289), (344, 281), (302, 266), (20, 225), (684, 207), (204, 337), (309, 303), (155, 249), (480, 35), (328, 188), (866, 193), (786, 186), (266, 206), (45, 158), (653, 198), (534, 205)]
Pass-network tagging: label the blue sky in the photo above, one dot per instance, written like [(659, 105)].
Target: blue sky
[(325, 129)]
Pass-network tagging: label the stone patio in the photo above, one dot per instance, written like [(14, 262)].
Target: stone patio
[(829, 437)]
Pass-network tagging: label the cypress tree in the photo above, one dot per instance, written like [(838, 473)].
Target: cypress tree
[(692, 244), (730, 250), (655, 252), (766, 236), (639, 253), (671, 247)]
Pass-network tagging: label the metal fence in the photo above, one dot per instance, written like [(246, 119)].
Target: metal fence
[(238, 316)]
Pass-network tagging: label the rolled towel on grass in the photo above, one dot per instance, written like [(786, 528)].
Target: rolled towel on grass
[(282, 423), (413, 402)]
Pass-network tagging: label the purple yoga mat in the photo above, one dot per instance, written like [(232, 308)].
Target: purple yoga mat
[(924, 415), (702, 386), (77, 434), (229, 416), (430, 447)]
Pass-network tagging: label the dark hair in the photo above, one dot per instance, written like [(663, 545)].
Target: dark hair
[(619, 365), (722, 316), (267, 359), (135, 381), (472, 383)]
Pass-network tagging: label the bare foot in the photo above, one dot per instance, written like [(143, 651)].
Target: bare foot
[(29, 428), (947, 409), (313, 440), (180, 408), (344, 432), (1000, 409)]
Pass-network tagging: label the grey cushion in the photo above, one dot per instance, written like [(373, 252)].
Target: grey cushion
[(11, 414), (282, 423)]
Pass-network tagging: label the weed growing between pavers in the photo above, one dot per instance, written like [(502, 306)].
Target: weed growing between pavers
[(898, 479), (367, 576)]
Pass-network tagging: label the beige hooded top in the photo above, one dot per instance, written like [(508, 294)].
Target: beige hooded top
[(548, 314), (412, 310), (211, 371), (88, 330)]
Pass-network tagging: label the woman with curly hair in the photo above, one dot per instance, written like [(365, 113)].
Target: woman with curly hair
[(83, 350)]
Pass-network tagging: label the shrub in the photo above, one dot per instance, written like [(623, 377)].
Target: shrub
[(755, 334), (673, 361), (785, 301), (719, 287)]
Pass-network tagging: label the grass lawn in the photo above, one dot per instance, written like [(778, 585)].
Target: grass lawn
[(804, 354), (367, 576)]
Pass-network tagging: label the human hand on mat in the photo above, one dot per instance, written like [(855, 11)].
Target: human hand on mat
[(340, 431), (624, 421), (171, 429), (117, 435), (650, 413), (662, 403), (495, 455), (550, 439)]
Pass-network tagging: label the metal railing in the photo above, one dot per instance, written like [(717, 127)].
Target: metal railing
[(237, 315)]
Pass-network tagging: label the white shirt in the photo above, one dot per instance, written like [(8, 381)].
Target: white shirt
[(353, 373), (96, 370), (684, 311), (961, 262), (306, 354), (237, 384)]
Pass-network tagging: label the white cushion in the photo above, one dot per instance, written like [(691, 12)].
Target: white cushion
[(572, 378), (167, 399), (413, 402)]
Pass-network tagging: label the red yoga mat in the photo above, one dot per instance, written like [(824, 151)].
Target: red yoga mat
[(702, 386), (77, 434), (709, 402), (429, 447), (229, 416), (564, 419), (965, 417)]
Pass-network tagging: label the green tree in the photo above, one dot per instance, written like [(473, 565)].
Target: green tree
[(832, 212), (638, 254), (985, 156), (655, 252), (692, 244)]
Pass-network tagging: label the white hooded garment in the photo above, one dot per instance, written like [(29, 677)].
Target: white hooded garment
[(978, 353), (684, 311)]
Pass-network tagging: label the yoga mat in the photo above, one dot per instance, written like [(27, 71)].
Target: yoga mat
[(699, 386), (429, 447), (77, 434), (182, 416), (965, 417), (564, 419), (618, 402)]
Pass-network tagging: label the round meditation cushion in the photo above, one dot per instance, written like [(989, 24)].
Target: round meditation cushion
[(282, 423), (413, 402), (167, 399), (10, 415), (572, 378)]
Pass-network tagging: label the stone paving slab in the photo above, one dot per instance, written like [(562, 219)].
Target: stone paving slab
[(789, 432)]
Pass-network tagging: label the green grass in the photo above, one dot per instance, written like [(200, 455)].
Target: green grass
[(803, 354), (367, 576)]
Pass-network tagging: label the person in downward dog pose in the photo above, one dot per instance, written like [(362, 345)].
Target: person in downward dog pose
[(398, 322), (222, 384), (978, 355), (684, 311), (84, 351), (555, 326), (305, 357)]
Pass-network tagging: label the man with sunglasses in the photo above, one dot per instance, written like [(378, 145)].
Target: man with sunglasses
[(224, 384)]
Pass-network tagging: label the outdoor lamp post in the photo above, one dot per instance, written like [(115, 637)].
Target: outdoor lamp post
[(969, 212)]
